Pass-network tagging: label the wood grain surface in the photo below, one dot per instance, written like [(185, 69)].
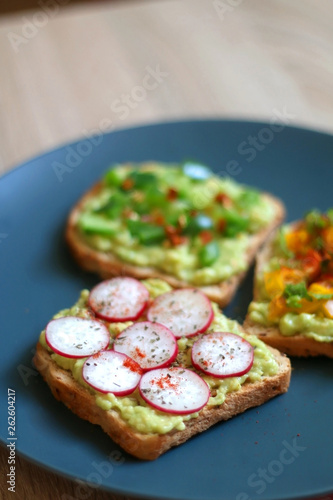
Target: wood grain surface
[(69, 70)]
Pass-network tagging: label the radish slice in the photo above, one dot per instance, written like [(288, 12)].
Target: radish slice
[(119, 299), (110, 371), (174, 390), (185, 312), (151, 345), (222, 355), (74, 337)]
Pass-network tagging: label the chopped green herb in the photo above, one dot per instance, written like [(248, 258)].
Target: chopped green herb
[(146, 233), (91, 223), (208, 254), (235, 223), (315, 220), (294, 292)]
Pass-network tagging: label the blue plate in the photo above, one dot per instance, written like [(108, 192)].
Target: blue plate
[(282, 450)]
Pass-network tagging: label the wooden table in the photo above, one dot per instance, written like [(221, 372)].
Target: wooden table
[(76, 69)]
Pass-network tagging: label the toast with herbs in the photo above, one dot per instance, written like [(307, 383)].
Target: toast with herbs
[(208, 240)]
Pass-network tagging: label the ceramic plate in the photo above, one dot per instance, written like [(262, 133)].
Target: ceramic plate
[(282, 450)]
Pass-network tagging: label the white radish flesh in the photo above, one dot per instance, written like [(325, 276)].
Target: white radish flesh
[(174, 390), (74, 337), (222, 354), (119, 299), (110, 371), (151, 345), (185, 312)]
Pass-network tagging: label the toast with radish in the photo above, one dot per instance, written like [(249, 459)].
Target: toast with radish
[(179, 223), (154, 366), (292, 308)]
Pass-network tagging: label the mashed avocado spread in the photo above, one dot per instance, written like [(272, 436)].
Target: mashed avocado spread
[(136, 412), (295, 285), (181, 219)]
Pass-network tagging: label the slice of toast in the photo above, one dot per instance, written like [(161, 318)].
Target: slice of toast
[(252, 390), (149, 446), (296, 345), (107, 265)]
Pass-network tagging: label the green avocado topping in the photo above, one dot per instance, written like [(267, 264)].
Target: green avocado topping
[(181, 219)]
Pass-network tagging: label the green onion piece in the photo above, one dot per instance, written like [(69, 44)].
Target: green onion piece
[(235, 223), (114, 206), (294, 292), (209, 254), (198, 223), (142, 179), (113, 178), (146, 233), (315, 221), (154, 197), (91, 223)]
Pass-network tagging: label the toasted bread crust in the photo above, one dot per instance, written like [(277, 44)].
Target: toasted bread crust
[(107, 265), (296, 345), (149, 446)]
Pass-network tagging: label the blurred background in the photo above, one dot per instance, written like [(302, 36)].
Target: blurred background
[(71, 69)]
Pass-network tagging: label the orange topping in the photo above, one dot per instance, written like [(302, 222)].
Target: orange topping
[(172, 194), (132, 365), (205, 236), (298, 240), (139, 353), (165, 382), (221, 225), (174, 237), (128, 184), (275, 281), (223, 199), (311, 263), (327, 235), (277, 308), (159, 219), (327, 309)]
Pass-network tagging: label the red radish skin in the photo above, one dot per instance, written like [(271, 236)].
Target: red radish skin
[(174, 390), (186, 312), (119, 299), (151, 345), (222, 355), (111, 372), (74, 337)]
